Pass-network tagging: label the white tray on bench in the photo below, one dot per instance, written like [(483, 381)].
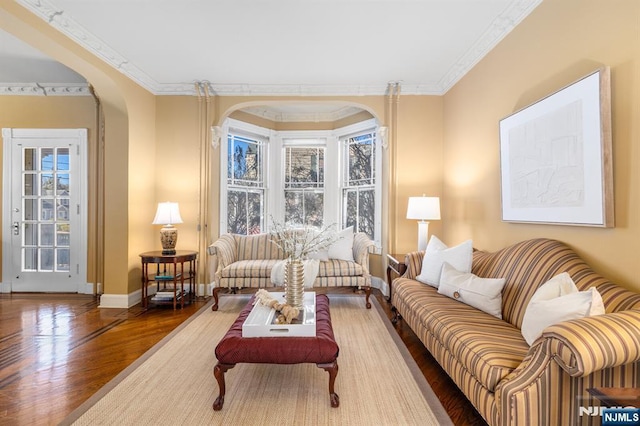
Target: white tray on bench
[(260, 322)]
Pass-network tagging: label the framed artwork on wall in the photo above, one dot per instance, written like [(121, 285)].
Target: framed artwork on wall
[(556, 159)]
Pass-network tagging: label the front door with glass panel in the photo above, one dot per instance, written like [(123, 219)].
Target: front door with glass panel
[(45, 209)]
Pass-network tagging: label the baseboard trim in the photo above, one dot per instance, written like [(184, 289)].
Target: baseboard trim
[(379, 283), (83, 288), (125, 301), (120, 301), (205, 289)]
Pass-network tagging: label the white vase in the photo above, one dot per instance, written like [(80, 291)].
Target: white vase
[(294, 282)]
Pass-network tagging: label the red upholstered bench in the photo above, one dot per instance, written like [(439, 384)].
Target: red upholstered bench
[(321, 350)]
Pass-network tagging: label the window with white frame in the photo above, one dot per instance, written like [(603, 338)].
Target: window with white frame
[(305, 177), (245, 183), (304, 184), (359, 180)]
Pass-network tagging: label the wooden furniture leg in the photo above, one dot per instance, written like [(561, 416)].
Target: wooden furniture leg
[(332, 369), (215, 292), (396, 315), (367, 293), (218, 372)]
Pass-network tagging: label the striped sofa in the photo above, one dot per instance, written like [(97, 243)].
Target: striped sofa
[(245, 261), (507, 381)]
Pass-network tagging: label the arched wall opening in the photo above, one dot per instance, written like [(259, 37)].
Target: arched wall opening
[(370, 107), (124, 112)]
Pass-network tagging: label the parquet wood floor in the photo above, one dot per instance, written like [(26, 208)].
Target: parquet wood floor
[(56, 350)]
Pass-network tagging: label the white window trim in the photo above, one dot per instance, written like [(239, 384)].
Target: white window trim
[(274, 165), (345, 132), (321, 138), (249, 130)]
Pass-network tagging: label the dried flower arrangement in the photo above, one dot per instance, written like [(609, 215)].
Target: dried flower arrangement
[(299, 241)]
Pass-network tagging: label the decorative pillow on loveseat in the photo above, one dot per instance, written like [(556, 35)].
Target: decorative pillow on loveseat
[(341, 248), (481, 293), (437, 253), (558, 300)]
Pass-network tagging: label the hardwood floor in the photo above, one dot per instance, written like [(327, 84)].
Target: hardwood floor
[(56, 350)]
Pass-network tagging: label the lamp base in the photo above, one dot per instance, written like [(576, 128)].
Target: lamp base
[(168, 239), (423, 234)]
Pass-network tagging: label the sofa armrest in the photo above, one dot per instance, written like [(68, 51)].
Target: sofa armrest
[(413, 261), (567, 359), (590, 344), (362, 246), (225, 251)]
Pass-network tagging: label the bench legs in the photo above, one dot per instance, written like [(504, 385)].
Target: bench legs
[(332, 369), (218, 372), (220, 369)]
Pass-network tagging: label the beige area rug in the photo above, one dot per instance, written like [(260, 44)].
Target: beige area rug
[(378, 382)]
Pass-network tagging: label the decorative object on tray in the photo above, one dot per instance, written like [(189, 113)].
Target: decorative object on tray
[(298, 242), (286, 313), (263, 320)]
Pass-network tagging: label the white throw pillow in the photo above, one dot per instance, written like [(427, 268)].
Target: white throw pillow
[(342, 248), (437, 253), (322, 255), (558, 300), (481, 293)]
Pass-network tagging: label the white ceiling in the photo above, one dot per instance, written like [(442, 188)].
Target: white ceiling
[(272, 47)]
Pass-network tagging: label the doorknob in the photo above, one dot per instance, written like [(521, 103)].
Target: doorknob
[(16, 228)]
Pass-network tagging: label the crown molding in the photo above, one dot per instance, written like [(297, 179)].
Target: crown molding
[(503, 24), (295, 89), (44, 89), (57, 18)]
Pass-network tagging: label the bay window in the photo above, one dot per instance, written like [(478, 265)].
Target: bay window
[(316, 178)]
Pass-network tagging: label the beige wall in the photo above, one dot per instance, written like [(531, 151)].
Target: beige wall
[(558, 43), (178, 164), (417, 166)]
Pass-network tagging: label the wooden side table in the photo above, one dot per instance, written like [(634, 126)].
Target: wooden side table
[(169, 268), (617, 397), (394, 265)]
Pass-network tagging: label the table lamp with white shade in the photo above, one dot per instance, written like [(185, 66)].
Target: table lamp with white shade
[(168, 214), (424, 209)]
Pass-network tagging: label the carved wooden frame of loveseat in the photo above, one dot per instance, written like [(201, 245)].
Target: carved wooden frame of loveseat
[(245, 261)]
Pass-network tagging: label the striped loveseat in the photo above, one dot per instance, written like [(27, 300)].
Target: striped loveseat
[(507, 381), (243, 261)]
